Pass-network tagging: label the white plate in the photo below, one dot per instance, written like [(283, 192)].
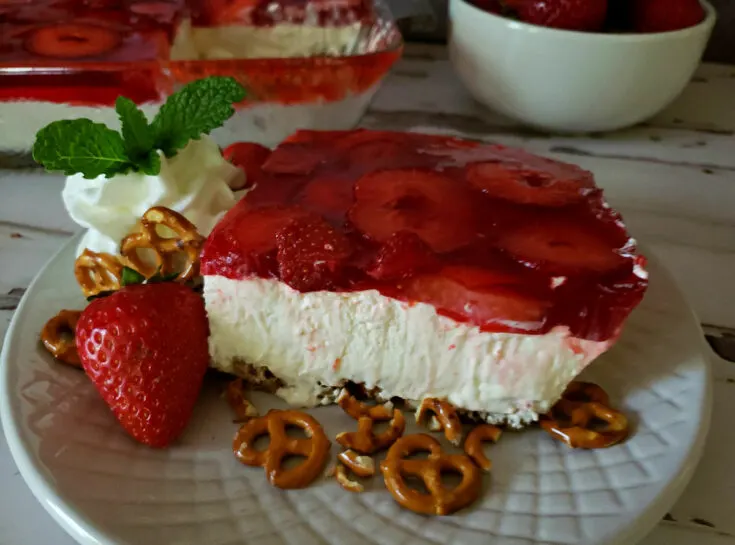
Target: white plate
[(105, 489)]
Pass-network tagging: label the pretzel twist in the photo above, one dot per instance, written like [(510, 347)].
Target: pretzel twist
[(445, 418), (314, 449), (165, 250), (58, 337), (473, 444), (235, 395), (349, 404), (97, 272), (361, 466), (439, 500), (365, 440), (582, 418)]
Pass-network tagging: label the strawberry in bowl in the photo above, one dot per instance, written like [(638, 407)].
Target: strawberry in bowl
[(601, 15)]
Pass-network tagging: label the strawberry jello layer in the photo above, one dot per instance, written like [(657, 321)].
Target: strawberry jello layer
[(419, 266)]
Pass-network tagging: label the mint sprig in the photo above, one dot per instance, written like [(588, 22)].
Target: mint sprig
[(138, 137), (80, 146), (197, 109)]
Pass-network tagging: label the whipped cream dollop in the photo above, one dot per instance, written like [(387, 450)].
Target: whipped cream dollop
[(195, 182)]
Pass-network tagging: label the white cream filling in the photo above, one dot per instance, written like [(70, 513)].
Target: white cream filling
[(406, 350), (250, 42)]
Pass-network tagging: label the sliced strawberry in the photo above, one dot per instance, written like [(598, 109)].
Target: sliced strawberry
[(401, 256), (490, 299), (72, 40), (380, 154), (358, 152), (249, 157), (244, 241), (275, 190), (311, 254), (295, 158), (305, 136), (329, 195), (435, 207), (559, 245), (524, 185)]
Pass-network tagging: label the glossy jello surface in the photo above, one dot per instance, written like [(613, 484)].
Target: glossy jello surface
[(489, 235)]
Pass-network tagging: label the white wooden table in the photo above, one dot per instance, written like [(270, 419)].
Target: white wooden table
[(673, 179)]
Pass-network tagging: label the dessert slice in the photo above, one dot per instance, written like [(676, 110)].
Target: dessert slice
[(418, 266)]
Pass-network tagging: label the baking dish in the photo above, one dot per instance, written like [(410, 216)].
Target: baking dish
[(306, 63)]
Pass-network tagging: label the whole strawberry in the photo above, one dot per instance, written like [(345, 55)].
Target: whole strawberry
[(666, 15), (311, 254), (585, 15), (249, 157), (145, 349)]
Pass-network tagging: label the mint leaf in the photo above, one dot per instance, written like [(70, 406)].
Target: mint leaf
[(149, 164), (196, 109), (74, 146), (137, 134), (138, 137), (130, 277)]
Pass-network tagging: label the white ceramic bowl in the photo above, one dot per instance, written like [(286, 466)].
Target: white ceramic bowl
[(567, 81)]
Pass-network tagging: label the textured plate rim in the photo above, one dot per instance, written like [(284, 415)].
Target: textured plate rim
[(84, 531)]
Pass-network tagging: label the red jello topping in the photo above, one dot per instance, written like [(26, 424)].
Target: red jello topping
[(489, 235), (85, 52), (89, 52), (88, 31)]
